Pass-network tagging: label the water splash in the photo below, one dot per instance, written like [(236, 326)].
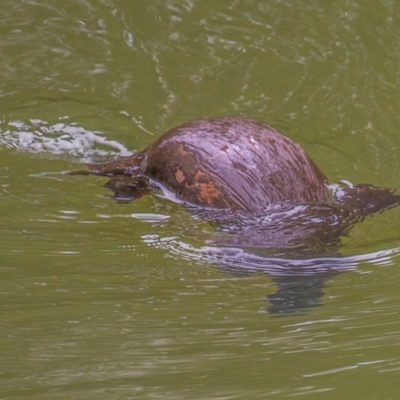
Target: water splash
[(39, 137)]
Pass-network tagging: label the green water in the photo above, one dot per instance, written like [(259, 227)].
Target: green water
[(108, 300)]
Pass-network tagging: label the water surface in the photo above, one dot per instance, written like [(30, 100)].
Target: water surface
[(109, 300)]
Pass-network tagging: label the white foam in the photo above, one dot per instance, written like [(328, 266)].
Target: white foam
[(38, 136)]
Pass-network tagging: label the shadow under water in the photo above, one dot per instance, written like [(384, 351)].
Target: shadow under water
[(300, 280)]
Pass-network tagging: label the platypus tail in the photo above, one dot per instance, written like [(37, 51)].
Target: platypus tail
[(363, 200)]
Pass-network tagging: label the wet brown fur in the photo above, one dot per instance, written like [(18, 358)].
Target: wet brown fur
[(237, 164)]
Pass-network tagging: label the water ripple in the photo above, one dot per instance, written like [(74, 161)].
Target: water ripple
[(38, 136)]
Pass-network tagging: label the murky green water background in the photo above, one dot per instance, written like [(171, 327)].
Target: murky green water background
[(104, 300)]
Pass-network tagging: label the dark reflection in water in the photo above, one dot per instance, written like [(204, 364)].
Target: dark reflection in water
[(299, 286), (300, 281), (296, 293)]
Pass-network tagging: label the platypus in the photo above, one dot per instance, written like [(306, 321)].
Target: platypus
[(235, 168)]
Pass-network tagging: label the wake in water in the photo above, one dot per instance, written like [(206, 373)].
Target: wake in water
[(39, 137), (300, 282), (240, 260)]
